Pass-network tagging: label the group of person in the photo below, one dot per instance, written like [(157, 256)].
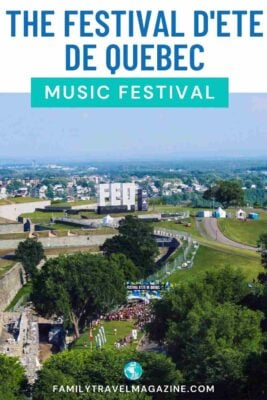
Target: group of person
[(134, 311), (139, 312)]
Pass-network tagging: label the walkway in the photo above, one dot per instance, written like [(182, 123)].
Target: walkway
[(213, 232)]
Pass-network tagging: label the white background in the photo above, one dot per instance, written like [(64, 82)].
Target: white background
[(243, 60)]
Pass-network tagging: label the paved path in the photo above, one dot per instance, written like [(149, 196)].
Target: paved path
[(213, 231)]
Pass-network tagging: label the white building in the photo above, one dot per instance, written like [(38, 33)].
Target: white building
[(3, 193), (116, 194)]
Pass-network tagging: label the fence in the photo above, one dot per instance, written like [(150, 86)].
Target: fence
[(184, 256)]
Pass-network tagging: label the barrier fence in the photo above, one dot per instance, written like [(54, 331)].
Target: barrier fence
[(182, 258)]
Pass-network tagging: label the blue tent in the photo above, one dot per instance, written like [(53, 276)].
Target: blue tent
[(253, 216)]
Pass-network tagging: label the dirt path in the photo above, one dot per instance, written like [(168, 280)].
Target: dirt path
[(212, 231)]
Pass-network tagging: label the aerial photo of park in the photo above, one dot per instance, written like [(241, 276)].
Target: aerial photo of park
[(133, 252)]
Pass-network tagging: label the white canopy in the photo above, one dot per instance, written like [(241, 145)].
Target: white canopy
[(221, 212), (241, 214), (108, 220)]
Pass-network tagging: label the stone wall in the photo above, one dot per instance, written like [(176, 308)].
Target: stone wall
[(10, 284), (12, 211), (57, 242), (11, 228)]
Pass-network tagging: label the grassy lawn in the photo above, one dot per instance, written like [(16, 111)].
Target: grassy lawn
[(24, 292), (123, 329), (87, 232), (61, 233), (229, 249), (192, 230), (18, 200), (6, 236), (38, 217), (41, 217), (73, 203), (208, 259), (71, 250), (246, 232), (5, 266), (172, 209)]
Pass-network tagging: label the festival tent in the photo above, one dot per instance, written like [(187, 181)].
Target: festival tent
[(241, 214), (204, 214), (219, 213), (254, 216), (108, 221)]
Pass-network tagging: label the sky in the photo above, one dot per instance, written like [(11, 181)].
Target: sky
[(85, 134)]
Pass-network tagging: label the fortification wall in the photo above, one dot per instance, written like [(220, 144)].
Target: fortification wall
[(10, 284), (56, 242), (12, 211), (11, 228)]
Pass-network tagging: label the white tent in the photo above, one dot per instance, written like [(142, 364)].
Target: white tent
[(241, 214), (108, 221), (220, 213)]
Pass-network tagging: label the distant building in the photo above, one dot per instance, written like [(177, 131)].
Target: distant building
[(3, 193), (22, 192), (142, 200), (116, 197)]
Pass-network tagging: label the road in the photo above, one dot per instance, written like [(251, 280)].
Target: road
[(212, 231)]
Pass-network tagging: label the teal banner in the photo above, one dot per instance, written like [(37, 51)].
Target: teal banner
[(130, 92)]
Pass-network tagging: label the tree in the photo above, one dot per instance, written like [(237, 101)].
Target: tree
[(50, 192), (257, 376), (262, 244), (213, 342), (12, 379), (135, 241), (130, 271), (30, 253), (216, 287), (78, 287), (13, 186), (227, 193), (262, 241), (103, 368), (208, 334)]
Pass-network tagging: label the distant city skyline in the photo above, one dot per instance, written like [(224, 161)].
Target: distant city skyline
[(129, 134)]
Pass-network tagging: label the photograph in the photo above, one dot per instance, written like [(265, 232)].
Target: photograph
[(133, 251)]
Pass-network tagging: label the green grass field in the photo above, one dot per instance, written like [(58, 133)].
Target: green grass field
[(172, 209), (41, 217), (60, 232), (38, 217), (246, 232), (208, 259), (123, 329), (192, 230), (5, 266), (18, 200), (71, 250), (74, 203), (24, 293)]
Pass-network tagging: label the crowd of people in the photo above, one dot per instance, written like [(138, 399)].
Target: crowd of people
[(130, 311), (137, 311)]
